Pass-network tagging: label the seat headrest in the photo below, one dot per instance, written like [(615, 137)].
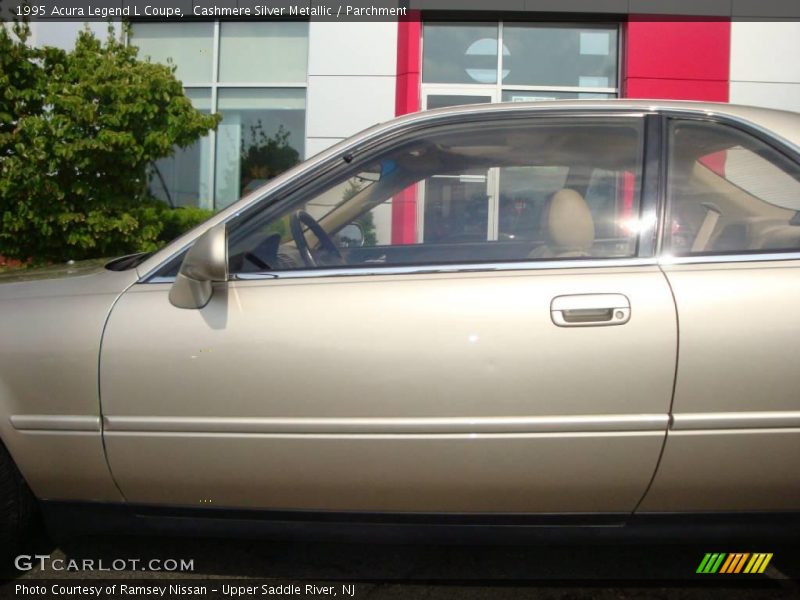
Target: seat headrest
[(570, 224)]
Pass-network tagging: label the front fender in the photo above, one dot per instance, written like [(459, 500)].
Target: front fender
[(50, 415)]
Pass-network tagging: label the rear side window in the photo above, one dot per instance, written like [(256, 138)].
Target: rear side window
[(729, 192)]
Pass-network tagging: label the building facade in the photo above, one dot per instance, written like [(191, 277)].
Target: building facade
[(288, 89)]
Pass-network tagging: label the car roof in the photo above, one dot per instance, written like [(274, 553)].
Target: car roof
[(777, 123)]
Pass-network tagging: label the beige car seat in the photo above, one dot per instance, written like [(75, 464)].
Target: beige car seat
[(569, 227)]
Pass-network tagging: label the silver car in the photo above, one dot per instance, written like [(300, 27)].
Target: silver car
[(558, 313)]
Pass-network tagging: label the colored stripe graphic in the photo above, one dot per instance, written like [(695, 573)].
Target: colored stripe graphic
[(740, 564), (734, 563), (758, 563), (711, 562), (704, 563), (722, 562), (715, 565), (728, 562)]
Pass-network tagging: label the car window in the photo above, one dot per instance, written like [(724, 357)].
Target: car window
[(513, 191), (729, 192)]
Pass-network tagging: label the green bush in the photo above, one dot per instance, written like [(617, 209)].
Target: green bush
[(180, 220), (78, 130)]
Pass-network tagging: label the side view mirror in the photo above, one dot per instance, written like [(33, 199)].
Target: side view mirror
[(206, 262), (351, 236)]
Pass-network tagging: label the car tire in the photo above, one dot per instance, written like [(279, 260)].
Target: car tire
[(17, 505)]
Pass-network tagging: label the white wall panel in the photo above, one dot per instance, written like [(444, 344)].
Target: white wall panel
[(765, 64), (785, 96), (765, 51), (315, 145), (341, 106), (342, 48), (351, 82), (62, 34)]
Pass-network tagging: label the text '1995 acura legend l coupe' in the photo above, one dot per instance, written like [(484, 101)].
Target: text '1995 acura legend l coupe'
[(547, 314)]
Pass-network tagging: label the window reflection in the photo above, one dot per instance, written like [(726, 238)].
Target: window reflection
[(183, 178), (459, 53), (552, 55), (260, 136), (263, 128)]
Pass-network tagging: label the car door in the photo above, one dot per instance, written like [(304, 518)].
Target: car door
[(732, 257), (407, 375)]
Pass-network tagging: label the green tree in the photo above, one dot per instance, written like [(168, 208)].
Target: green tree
[(78, 130), (266, 156)]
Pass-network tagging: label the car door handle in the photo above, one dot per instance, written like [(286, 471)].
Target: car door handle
[(590, 310)]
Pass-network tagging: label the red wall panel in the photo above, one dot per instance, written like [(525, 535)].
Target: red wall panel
[(677, 59), (409, 37)]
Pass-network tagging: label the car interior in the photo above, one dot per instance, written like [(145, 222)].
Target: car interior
[(507, 193), (730, 193)]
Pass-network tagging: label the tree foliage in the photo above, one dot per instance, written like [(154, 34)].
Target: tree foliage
[(78, 130), (266, 156)]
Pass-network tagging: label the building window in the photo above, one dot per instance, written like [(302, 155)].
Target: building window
[(465, 63), (459, 53), (254, 74)]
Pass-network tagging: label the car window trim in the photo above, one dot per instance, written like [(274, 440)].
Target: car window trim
[(562, 264), (480, 267), (652, 186), (741, 257), (465, 268)]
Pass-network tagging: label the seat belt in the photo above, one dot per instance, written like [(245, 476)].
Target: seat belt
[(703, 236)]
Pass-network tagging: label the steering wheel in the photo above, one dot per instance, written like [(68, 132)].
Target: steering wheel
[(296, 221)]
